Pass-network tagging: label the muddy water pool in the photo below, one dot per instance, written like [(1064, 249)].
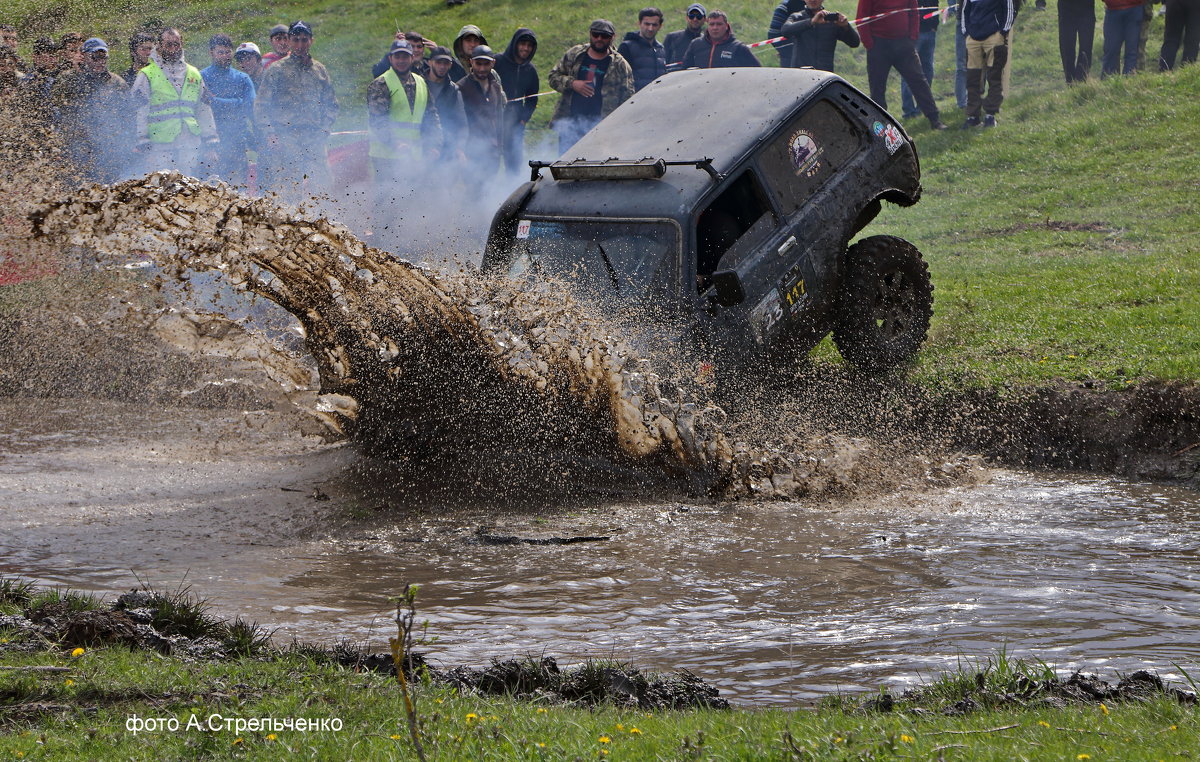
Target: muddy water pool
[(773, 602)]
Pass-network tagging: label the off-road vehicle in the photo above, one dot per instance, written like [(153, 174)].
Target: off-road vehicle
[(725, 200)]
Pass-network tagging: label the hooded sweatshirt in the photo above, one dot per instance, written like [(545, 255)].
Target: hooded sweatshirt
[(706, 54), (462, 66), (519, 78)]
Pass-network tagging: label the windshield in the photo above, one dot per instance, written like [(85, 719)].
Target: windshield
[(607, 257)]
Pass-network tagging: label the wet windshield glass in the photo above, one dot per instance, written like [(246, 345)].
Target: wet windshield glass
[(621, 258)]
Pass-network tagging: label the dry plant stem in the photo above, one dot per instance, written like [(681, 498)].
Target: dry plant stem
[(405, 615)]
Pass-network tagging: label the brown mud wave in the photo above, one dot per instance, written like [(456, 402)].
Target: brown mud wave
[(421, 366), (1146, 431)]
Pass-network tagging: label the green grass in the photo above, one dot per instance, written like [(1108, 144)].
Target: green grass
[(83, 714)]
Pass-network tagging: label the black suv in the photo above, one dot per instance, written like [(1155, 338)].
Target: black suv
[(724, 200)]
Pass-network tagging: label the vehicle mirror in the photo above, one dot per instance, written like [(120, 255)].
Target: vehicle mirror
[(728, 285)]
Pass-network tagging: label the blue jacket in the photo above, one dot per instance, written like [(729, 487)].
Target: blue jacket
[(981, 19), (232, 93)]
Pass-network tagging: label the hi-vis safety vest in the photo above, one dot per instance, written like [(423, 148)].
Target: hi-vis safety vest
[(170, 110), (404, 123)]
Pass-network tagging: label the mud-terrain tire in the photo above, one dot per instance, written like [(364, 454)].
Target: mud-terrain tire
[(886, 304)]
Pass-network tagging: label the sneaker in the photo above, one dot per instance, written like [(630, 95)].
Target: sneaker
[(937, 124), (972, 121), (989, 120)]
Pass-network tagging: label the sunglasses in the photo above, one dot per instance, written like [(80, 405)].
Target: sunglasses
[(602, 35), (695, 15)]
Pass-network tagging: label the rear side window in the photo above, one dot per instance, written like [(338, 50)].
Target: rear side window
[(811, 150)]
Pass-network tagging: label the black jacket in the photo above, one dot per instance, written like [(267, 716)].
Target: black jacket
[(676, 44), (703, 54), (648, 59), (519, 79), (813, 44), (779, 17)]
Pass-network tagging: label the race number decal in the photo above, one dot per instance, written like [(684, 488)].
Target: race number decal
[(765, 318), (523, 228)]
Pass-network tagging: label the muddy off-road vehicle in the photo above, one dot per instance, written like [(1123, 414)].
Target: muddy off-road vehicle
[(724, 201)]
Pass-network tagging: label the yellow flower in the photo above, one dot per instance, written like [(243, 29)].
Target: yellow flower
[(271, 736), (236, 741), (472, 716), (1043, 723), (839, 739), (541, 745), (634, 732), (906, 739), (1173, 727), (20, 755), (396, 737), (437, 701), (605, 739), (1083, 756), (1104, 709), (620, 726), (77, 653), (70, 681), (541, 710)]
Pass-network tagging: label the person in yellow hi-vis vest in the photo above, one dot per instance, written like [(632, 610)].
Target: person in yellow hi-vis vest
[(175, 127), (405, 131)]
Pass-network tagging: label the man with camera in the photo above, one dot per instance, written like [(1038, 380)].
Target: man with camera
[(814, 33)]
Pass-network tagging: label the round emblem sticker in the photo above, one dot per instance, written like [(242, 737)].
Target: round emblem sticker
[(803, 151)]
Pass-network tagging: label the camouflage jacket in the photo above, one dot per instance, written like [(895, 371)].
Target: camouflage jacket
[(618, 82), (296, 96)]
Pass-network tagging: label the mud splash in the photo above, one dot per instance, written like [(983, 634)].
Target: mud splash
[(415, 365)]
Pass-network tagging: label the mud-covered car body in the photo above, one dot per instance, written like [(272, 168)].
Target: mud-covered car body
[(722, 199)]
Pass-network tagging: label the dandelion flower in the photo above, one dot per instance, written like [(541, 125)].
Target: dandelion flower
[(236, 741), (1104, 710), (70, 681), (472, 716), (1173, 727), (1043, 723), (1083, 756), (77, 653), (839, 739), (906, 738), (541, 745), (605, 739), (541, 710), (396, 737), (271, 736), (634, 732), (620, 726)]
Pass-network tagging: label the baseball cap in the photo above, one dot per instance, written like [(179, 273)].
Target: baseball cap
[(277, 30), (603, 26), (441, 52), (94, 44), (247, 47), (401, 46), (697, 7), (298, 28), (483, 51)]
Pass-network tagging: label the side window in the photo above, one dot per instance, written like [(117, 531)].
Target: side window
[(735, 221), (812, 149)]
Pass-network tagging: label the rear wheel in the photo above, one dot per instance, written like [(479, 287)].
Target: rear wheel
[(887, 301)]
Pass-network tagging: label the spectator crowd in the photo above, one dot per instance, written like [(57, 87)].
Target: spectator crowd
[(433, 107)]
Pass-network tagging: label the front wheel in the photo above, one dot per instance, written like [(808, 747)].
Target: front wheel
[(886, 303)]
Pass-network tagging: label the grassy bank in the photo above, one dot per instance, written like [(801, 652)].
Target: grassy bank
[(76, 684)]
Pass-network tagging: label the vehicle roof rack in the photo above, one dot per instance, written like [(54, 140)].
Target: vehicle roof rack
[(617, 169)]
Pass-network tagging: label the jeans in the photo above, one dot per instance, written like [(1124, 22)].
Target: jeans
[(1121, 28), (925, 47)]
